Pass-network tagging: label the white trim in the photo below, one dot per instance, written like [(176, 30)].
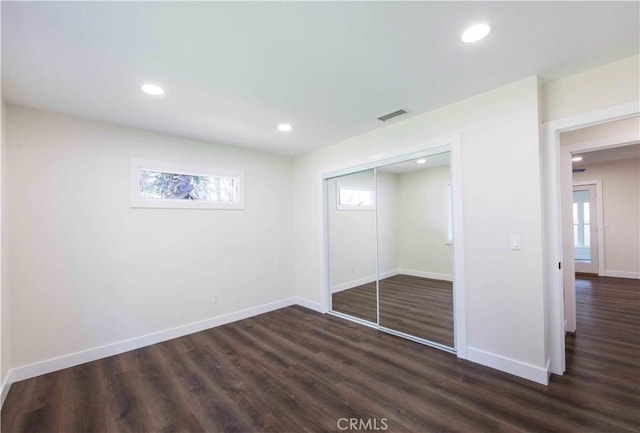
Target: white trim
[(553, 252), (508, 365), (459, 298), (325, 276), (599, 219), (387, 274), (428, 148), (566, 190), (425, 274), (377, 239), (621, 274), (601, 144), (618, 112), (353, 283), (6, 386), (308, 303), (95, 353), (566, 211), (448, 216), (417, 339), (138, 165), (360, 281), (450, 143)]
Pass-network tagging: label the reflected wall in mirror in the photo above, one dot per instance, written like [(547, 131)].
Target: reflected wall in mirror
[(415, 248), (351, 205)]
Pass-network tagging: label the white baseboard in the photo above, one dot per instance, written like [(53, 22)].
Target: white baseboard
[(424, 274), (353, 283), (361, 281), (307, 303), (371, 278), (621, 274), (508, 365), (389, 274), (93, 354), (6, 385)]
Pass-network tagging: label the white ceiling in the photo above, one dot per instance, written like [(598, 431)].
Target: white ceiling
[(607, 155), (431, 161), (232, 71)]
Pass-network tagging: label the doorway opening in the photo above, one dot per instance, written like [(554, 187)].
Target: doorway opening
[(558, 209), (600, 225)]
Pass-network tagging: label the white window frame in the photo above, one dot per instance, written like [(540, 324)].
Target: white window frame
[(140, 165), (370, 189)]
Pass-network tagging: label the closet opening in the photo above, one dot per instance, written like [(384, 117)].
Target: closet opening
[(391, 238)]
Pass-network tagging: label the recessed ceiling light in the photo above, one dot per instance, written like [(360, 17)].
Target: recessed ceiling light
[(152, 89), (576, 158), (285, 127), (421, 161), (475, 33)]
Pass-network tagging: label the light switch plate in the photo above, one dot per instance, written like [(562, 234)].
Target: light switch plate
[(515, 242)]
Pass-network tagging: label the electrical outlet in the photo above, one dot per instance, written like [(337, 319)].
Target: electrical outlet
[(216, 298)]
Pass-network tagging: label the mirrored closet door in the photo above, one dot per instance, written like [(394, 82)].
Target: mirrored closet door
[(352, 245), (391, 248), (414, 244)]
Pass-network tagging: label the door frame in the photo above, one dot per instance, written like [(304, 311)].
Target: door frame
[(557, 177), (599, 219)]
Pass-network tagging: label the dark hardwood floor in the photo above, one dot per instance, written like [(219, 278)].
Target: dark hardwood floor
[(418, 306), (358, 302), (294, 370)]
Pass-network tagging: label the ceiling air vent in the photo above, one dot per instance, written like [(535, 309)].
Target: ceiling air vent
[(392, 115)]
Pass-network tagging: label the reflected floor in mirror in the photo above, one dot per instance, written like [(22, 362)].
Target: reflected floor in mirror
[(418, 306), (358, 302)]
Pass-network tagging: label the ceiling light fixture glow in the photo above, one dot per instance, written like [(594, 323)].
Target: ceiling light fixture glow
[(152, 89), (576, 158), (285, 127), (475, 33), (421, 161)]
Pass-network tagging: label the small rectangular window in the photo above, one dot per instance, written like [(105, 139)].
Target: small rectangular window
[(164, 185), (355, 198)]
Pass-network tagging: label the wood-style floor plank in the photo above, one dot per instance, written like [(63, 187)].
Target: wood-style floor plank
[(294, 370), (418, 306)]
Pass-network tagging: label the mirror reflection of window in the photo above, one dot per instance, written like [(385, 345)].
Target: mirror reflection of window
[(354, 198), (352, 245)]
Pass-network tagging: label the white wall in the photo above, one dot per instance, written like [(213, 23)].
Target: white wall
[(573, 102), (607, 86), (412, 222), (88, 270), (5, 337), (352, 233), (5, 325), (621, 207), (422, 222), (501, 197), (620, 131), (352, 240), (387, 188)]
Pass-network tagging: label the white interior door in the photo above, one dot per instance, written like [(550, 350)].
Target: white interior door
[(585, 229)]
